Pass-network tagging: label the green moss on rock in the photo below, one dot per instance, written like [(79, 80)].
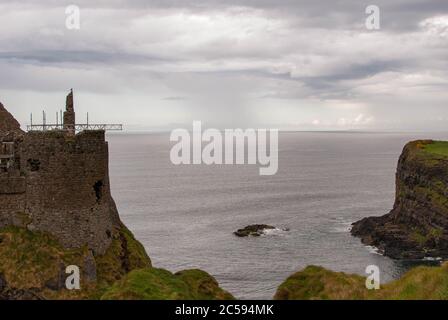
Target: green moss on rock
[(421, 283), (34, 262), (203, 286), (317, 283), (148, 284), (32, 265), (160, 284), (124, 255)]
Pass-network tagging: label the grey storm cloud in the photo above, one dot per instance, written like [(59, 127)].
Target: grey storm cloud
[(337, 13), (286, 63), (83, 57)]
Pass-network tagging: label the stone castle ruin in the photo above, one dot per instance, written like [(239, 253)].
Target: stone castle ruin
[(55, 178)]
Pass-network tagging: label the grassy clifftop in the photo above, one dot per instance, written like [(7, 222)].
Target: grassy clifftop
[(159, 284), (437, 147), (317, 283), (33, 265)]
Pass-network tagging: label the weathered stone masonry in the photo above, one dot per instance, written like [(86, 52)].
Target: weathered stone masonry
[(58, 182)]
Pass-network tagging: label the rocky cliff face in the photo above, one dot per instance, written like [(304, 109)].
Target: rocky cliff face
[(7, 121), (417, 226)]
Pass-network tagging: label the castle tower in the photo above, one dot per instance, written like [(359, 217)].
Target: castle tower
[(69, 114), (58, 181)]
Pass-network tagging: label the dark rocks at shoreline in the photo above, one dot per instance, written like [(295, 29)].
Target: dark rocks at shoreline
[(393, 240), (254, 230)]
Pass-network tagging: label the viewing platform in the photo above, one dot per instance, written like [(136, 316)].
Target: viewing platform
[(67, 121), (76, 127)]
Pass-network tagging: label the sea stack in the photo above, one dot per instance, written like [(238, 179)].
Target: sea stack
[(417, 226)]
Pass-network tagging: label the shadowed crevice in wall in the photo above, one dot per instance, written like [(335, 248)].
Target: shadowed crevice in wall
[(98, 187)]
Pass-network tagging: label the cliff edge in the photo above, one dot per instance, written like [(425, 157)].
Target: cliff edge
[(417, 226)]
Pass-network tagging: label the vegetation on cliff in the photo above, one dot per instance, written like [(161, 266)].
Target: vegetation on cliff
[(32, 265), (124, 255), (317, 283), (437, 147), (160, 284)]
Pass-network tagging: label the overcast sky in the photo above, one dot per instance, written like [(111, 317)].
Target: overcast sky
[(288, 64)]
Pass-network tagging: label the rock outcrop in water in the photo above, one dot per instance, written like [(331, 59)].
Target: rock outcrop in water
[(254, 230), (417, 226)]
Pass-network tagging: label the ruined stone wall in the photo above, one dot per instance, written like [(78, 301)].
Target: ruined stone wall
[(12, 183), (67, 187), (7, 121), (69, 115), (12, 200), (58, 182)]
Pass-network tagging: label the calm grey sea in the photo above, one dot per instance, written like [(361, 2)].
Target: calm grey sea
[(185, 215)]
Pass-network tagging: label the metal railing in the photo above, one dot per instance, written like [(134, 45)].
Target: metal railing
[(77, 127)]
